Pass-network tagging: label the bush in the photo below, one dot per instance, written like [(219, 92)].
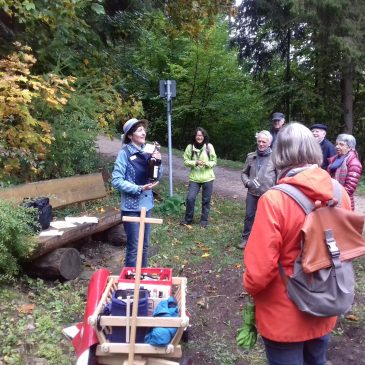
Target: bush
[(73, 150), (16, 241)]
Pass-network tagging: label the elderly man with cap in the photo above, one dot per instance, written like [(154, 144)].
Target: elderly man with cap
[(319, 132), (131, 180), (278, 120)]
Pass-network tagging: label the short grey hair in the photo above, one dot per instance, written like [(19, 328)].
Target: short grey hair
[(296, 146), (348, 139), (266, 134)]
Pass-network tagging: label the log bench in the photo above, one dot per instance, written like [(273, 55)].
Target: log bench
[(52, 258)]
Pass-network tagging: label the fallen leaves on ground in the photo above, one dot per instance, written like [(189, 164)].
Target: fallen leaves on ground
[(26, 308)]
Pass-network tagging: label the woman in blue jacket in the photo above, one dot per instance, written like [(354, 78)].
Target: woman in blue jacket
[(130, 179)]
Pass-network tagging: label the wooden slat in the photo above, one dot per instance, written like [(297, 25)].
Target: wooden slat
[(119, 360), (142, 321), (61, 192), (140, 348)]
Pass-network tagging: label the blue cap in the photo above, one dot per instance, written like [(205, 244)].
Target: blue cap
[(277, 116)]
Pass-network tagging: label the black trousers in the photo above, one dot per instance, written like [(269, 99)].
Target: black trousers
[(251, 207), (207, 190)]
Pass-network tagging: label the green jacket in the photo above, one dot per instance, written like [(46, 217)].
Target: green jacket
[(200, 174)]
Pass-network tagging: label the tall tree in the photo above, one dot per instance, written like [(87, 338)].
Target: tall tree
[(339, 39)]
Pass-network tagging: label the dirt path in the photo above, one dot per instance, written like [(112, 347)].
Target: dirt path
[(227, 183)]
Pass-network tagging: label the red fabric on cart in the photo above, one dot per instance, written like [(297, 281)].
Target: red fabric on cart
[(86, 337)]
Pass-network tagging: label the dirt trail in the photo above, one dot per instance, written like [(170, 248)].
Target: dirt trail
[(227, 183)]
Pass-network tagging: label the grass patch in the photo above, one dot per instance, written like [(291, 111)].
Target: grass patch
[(360, 190), (216, 242)]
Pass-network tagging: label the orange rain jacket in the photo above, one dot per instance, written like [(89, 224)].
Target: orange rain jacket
[(275, 237)]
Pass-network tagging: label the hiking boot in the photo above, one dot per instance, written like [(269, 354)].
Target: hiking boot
[(203, 224), (243, 244)]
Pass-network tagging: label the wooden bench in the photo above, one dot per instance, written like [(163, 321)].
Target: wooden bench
[(52, 259)]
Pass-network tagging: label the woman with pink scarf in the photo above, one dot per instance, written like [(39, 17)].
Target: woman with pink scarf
[(345, 167)]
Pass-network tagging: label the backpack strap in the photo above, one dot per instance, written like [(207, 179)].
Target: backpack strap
[(303, 201), (337, 193), (192, 151), (206, 150)]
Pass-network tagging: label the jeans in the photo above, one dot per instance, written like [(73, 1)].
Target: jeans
[(311, 352), (132, 232), (207, 190), (251, 207)]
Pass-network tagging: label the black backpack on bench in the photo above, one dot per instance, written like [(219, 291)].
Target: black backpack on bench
[(44, 215)]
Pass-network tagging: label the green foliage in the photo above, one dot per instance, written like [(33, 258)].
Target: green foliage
[(170, 205), (212, 90), (73, 151), (16, 242), (309, 55)]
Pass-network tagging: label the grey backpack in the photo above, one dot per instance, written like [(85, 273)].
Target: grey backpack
[(327, 291)]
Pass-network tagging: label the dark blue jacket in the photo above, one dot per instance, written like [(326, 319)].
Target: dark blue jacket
[(328, 150)]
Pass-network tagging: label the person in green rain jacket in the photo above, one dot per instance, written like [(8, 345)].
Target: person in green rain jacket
[(201, 158)]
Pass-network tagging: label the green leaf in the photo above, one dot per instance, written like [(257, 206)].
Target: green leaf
[(99, 9), (29, 6)]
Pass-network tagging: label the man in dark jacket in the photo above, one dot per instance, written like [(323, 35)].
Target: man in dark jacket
[(277, 120), (319, 132), (258, 175)]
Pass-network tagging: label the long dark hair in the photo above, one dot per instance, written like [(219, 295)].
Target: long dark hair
[(204, 133)]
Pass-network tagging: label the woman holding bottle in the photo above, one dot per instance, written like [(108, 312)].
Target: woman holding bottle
[(201, 158), (130, 178)]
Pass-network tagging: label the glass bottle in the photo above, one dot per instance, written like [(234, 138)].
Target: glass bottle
[(154, 165)]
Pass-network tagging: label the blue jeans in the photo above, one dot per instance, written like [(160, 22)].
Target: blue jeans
[(132, 232), (311, 352), (193, 191)]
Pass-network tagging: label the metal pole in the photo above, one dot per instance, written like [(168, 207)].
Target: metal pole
[(169, 111)]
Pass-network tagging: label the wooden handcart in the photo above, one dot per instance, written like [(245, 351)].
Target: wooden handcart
[(118, 353)]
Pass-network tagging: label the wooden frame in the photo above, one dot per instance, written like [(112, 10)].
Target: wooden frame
[(107, 351)]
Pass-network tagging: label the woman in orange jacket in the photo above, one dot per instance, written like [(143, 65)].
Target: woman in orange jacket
[(291, 337)]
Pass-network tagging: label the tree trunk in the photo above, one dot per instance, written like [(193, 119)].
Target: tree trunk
[(288, 74), (62, 264), (347, 86)]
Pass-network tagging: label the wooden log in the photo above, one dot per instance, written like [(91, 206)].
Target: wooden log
[(63, 263), (108, 219), (116, 236)]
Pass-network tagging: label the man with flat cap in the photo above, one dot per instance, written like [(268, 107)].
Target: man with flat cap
[(319, 132), (277, 120)]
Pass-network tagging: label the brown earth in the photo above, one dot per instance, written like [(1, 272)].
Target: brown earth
[(218, 316)]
